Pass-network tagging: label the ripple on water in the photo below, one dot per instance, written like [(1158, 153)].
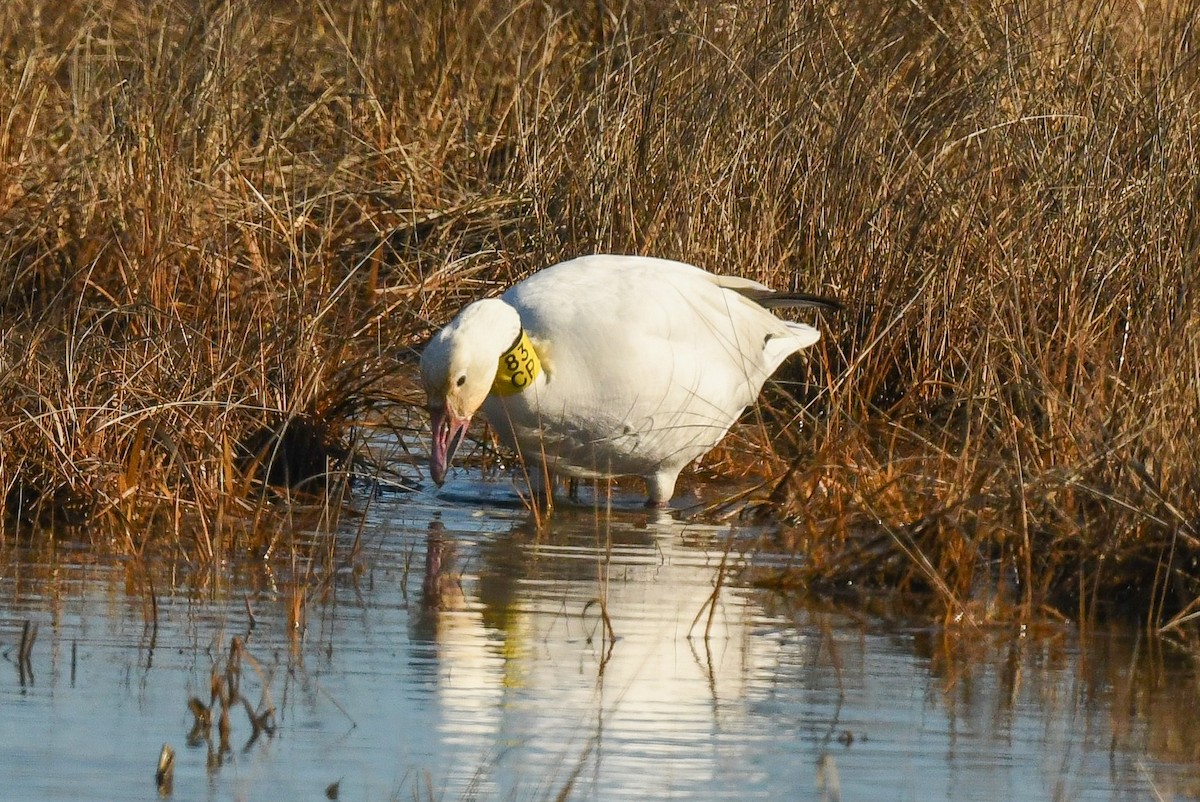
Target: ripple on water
[(469, 656)]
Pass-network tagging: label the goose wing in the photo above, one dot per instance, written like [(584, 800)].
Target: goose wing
[(654, 357)]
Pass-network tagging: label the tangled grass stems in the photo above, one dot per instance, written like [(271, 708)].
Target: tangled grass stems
[(221, 221)]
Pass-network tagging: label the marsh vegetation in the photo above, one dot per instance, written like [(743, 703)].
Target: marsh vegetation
[(224, 226)]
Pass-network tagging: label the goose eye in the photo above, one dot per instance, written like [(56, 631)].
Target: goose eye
[(461, 380)]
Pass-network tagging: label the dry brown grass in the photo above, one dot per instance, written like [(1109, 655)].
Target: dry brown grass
[(1009, 208), (220, 221)]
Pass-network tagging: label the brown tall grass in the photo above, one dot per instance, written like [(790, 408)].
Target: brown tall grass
[(220, 220)]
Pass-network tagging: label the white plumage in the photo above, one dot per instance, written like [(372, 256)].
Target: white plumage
[(638, 366)]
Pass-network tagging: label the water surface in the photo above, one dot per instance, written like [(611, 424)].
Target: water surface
[(458, 652)]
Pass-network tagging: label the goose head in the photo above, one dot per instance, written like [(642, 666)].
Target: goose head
[(458, 368)]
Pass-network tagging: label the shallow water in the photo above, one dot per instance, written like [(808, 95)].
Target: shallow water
[(458, 654)]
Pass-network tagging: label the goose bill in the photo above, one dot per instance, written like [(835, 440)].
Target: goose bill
[(448, 434)]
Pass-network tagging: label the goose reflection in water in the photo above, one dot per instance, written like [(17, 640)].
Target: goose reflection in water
[(584, 641)]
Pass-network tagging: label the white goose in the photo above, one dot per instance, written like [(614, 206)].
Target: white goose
[(610, 366)]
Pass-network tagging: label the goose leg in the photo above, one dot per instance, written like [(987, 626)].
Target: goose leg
[(660, 487), (541, 487)]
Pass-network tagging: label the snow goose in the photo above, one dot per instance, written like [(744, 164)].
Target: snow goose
[(610, 366)]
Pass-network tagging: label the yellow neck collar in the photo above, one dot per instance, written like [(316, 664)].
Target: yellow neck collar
[(519, 366)]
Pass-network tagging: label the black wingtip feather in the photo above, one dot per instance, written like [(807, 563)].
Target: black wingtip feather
[(780, 300)]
